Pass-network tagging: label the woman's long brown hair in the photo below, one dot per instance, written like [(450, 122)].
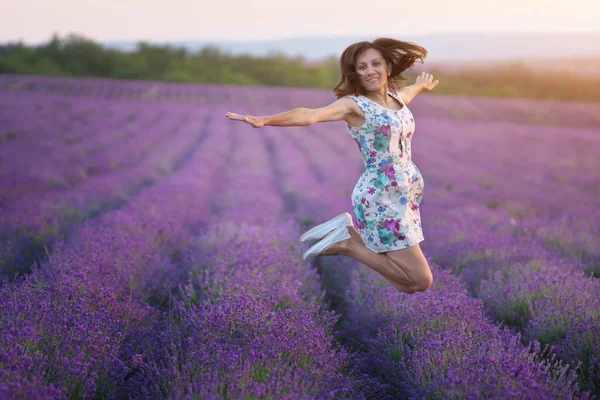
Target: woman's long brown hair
[(402, 56)]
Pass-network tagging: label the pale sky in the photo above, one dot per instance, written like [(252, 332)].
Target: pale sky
[(34, 21)]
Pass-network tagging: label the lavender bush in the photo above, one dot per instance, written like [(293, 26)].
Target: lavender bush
[(441, 345)]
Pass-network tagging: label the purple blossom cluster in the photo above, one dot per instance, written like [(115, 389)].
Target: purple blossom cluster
[(442, 345), (539, 299), (168, 263)]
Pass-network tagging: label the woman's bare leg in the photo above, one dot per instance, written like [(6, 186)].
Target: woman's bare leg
[(406, 269)]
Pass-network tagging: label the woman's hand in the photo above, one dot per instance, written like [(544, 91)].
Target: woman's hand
[(256, 122), (426, 81)]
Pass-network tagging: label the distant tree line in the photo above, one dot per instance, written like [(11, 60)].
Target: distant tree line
[(75, 55)]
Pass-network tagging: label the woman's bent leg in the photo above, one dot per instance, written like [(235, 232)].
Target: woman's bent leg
[(413, 262), (406, 269)]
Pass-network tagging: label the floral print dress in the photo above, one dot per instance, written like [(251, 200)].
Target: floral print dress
[(387, 195)]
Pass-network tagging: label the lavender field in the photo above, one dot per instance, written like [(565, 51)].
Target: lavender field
[(149, 248)]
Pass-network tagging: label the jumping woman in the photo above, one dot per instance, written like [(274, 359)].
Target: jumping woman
[(387, 195)]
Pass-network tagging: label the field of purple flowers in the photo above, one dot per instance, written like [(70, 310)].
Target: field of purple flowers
[(149, 248)]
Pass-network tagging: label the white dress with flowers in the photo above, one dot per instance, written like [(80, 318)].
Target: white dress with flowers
[(387, 195)]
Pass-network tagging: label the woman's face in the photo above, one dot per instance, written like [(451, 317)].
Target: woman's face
[(372, 70)]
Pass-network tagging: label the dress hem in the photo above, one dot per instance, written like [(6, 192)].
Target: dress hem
[(367, 245)]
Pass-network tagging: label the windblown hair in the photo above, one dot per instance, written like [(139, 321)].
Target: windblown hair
[(402, 56)]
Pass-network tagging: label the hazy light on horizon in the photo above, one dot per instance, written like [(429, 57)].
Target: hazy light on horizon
[(34, 21)]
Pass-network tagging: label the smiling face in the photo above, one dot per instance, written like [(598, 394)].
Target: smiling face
[(372, 69)]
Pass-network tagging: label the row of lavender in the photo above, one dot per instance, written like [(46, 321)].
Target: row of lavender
[(159, 299), (294, 195), (537, 112), (530, 248), (41, 203), (58, 143), (531, 257), (410, 336), (66, 327)]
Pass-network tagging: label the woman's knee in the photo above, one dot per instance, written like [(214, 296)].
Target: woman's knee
[(424, 283), (421, 283), (415, 265)]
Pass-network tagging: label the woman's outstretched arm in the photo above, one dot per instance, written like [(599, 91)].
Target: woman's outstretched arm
[(300, 116), (424, 82)]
